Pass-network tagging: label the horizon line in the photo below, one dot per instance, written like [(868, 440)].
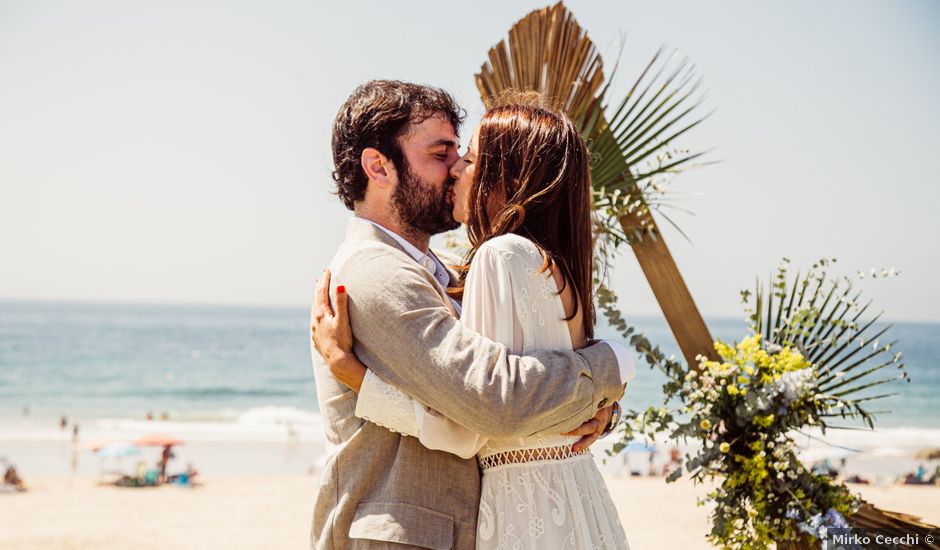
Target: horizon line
[(281, 305)]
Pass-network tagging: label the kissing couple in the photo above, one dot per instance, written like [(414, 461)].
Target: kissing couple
[(459, 396)]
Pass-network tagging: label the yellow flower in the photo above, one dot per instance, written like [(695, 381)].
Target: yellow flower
[(749, 345), (705, 424), (764, 421), (723, 349), (732, 390), (724, 447)]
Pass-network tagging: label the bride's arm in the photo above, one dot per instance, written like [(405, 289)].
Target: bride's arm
[(487, 309), (378, 402), (386, 405), (382, 403)]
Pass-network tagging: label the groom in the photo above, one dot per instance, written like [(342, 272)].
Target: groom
[(393, 145)]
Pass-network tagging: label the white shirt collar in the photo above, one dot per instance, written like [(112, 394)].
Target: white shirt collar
[(411, 249)]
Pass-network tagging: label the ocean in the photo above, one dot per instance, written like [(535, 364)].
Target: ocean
[(244, 370)]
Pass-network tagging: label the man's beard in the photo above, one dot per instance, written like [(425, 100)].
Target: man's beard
[(423, 207)]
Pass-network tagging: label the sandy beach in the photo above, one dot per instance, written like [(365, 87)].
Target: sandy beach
[(258, 493), (235, 512)]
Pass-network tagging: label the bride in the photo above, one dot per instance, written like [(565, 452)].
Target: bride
[(523, 189)]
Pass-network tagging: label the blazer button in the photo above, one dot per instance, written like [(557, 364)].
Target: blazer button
[(602, 404)]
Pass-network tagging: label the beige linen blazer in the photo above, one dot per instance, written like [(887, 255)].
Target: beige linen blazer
[(381, 489)]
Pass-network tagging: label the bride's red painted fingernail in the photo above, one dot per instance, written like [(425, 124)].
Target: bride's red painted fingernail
[(340, 289)]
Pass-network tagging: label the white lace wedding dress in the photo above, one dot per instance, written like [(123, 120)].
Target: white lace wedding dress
[(536, 494)]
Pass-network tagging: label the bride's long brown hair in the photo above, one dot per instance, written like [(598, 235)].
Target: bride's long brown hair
[(533, 179)]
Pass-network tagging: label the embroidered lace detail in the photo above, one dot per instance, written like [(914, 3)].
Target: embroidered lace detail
[(561, 504), (387, 406), (529, 455), (529, 310)]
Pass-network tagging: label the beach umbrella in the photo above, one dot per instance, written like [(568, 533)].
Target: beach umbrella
[(157, 441), (638, 447), (117, 450)]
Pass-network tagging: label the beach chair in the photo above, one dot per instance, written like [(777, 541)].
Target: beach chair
[(152, 477)]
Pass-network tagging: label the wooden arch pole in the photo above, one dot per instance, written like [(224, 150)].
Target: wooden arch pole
[(686, 323)]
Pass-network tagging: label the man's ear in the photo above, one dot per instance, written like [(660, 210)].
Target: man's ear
[(378, 167)]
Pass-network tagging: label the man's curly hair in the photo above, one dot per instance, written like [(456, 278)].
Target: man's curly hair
[(376, 114)]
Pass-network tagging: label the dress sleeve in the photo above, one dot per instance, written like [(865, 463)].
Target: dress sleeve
[(385, 405), (488, 300), (488, 310)]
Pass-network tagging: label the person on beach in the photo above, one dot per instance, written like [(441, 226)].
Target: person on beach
[(528, 286), (395, 150), (73, 462), (165, 458), (12, 480)]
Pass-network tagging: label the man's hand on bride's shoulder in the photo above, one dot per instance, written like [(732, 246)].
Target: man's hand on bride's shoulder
[(332, 335)]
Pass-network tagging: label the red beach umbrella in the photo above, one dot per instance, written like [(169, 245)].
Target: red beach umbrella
[(157, 441)]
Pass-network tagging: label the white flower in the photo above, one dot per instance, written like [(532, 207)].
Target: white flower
[(536, 527), (797, 383)]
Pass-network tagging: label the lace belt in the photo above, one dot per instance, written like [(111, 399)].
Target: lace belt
[(529, 455)]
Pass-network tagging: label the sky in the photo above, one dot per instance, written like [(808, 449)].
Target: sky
[(179, 152)]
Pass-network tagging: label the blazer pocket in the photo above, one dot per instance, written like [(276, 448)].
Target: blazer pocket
[(403, 524)]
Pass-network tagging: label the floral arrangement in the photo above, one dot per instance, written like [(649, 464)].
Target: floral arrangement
[(806, 361), (742, 410)]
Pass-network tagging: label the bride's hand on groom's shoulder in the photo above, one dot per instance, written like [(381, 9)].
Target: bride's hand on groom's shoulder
[(329, 328), (332, 335)]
